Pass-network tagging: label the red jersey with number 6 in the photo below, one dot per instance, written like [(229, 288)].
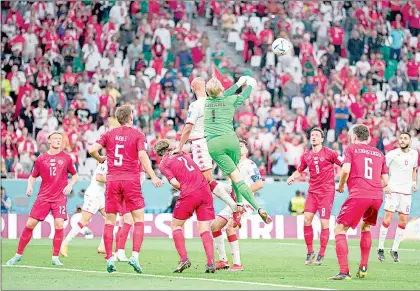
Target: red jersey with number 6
[(183, 168), (54, 170), (321, 170), (368, 165), (122, 147)]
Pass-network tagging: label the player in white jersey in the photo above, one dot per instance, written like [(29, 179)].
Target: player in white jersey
[(194, 132), (402, 164), (252, 177), (94, 201)]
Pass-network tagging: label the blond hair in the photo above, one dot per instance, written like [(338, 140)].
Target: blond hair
[(162, 147), (214, 87), (123, 114)]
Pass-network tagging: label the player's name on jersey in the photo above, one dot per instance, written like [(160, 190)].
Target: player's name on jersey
[(368, 152), (120, 138), (215, 104)]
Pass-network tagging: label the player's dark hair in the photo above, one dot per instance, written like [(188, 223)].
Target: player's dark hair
[(361, 131), (319, 130), (123, 114), (407, 133), (162, 147), (244, 142)]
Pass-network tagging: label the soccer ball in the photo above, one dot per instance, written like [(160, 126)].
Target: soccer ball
[(281, 46)]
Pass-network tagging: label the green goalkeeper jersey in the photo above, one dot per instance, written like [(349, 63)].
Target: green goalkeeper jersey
[(219, 112)]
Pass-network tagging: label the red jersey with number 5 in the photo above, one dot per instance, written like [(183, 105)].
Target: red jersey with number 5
[(183, 168), (367, 167), (54, 171), (122, 151), (321, 170)]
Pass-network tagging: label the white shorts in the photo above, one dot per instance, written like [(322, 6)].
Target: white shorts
[(396, 202), (93, 202), (227, 212), (201, 154)]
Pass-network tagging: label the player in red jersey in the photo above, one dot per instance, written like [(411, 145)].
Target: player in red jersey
[(195, 196), (125, 147), (364, 169), (320, 161), (53, 167)]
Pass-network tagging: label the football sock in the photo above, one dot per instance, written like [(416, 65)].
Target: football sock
[(117, 238), (138, 235), (57, 240), (219, 241), (308, 233), (208, 246), (246, 192), (237, 194), (234, 248), (365, 246), (324, 237), (179, 241), (108, 239), (101, 244), (342, 250), (398, 237), (220, 191), (382, 235), (73, 233), (125, 230), (25, 237)]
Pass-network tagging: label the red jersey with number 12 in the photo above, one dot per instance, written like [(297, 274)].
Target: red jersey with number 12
[(122, 151), (53, 170), (368, 165), (321, 170), (183, 168)]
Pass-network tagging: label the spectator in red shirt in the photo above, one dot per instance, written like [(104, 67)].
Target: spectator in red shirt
[(336, 37), (412, 72), (10, 154)]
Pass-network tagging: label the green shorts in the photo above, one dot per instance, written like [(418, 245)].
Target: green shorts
[(225, 152)]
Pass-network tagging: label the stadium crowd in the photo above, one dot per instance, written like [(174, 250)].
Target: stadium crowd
[(66, 65)]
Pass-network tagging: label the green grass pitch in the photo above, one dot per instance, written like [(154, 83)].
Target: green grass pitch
[(269, 265)]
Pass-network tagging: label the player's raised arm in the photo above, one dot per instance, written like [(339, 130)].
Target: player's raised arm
[(250, 84), (192, 117)]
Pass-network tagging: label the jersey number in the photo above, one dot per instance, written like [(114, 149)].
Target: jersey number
[(118, 156), (62, 209), (368, 168), (189, 168), (317, 169), (53, 171), (213, 115)]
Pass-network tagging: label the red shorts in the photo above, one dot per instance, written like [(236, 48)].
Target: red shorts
[(355, 209), (42, 208), (122, 209), (127, 192), (321, 203), (201, 202)]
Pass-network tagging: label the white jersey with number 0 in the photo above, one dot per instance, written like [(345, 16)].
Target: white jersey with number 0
[(196, 118), (400, 167)]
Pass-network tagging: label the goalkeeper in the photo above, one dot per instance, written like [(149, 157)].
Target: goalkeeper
[(222, 142)]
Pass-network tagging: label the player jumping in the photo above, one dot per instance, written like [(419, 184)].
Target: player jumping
[(252, 178), (364, 169), (194, 132), (53, 167), (195, 196), (402, 164), (125, 147), (320, 161), (222, 141), (94, 201)]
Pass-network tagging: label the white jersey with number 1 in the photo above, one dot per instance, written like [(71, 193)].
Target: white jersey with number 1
[(199, 148)]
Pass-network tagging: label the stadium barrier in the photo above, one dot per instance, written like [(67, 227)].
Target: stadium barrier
[(283, 227), (275, 197)]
